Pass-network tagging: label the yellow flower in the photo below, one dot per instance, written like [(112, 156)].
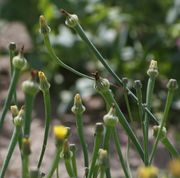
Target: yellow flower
[(147, 172), (174, 167), (60, 132), (41, 75)]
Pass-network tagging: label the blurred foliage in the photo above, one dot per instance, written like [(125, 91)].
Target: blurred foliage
[(128, 33)]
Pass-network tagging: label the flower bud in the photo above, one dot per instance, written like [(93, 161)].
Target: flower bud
[(14, 110), (110, 119), (44, 28), (30, 87), (153, 69), (137, 84), (148, 172), (162, 134), (103, 158), (12, 46), (18, 121), (44, 84), (172, 84), (102, 85), (72, 148), (78, 107), (19, 61)]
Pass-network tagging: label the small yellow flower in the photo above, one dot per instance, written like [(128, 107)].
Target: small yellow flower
[(41, 75), (147, 172), (174, 167), (60, 132)]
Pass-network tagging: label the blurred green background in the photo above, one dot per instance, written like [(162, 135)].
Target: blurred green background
[(129, 33)]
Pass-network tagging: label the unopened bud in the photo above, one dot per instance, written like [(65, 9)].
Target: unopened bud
[(12, 46), (44, 28), (172, 84), (44, 84), (14, 110), (103, 158), (66, 153), (19, 61), (110, 119), (162, 134), (153, 69), (78, 107), (30, 87), (137, 84)]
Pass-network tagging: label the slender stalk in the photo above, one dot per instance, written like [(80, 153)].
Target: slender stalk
[(69, 168), (172, 85), (54, 163), (11, 147), (47, 105), (25, 171), (73, 159), (168, 145), (118, 147), (149, 95), (95, 171), (11, 91), (102, 172), (97, 143), (79, 126), (108, 131)]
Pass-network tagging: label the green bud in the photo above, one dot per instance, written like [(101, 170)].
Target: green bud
[(162, 134), (103, 158), (72, 148), (66, 153), (14, 110), (44, 28), (19, 61), (153, 69), (110, 119), (18, 119), (172, 84), (78, 107), (99, 128), (137, 84), (12, 46), (102, 85), (30, 87), (44, 84), (71, 19)]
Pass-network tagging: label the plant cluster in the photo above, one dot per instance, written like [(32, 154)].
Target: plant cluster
[(99, 165)]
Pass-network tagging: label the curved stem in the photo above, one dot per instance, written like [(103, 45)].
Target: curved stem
[(11, 147), (69, 168), (53, 56), (11, 91), (47, 105)]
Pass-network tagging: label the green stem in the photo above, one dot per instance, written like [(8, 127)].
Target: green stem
[(110, 100), (74, 165), (97, 143), (118, 147), (128, 106), (108, 131), (25, 169), (29, 100), (11, 91), (53, 56), (79, 125), (149, 96), (69, 168), (95, 171), (11, 147), (55, 162), (166, 111), (47, 105), (168, 145), (127, 158), (102, 172)]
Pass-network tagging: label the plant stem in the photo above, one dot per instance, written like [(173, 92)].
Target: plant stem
[(118, 147), (168, 145), (102, 172), (55, 162), (149, 96), (47, 105), (29, 100), (108, 131), (79, 125), (53, 56), (25, 173), (97, 143), (108, 96), (73, 159), (11, 91), (69, 168), (166, 111), (11, 147)]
